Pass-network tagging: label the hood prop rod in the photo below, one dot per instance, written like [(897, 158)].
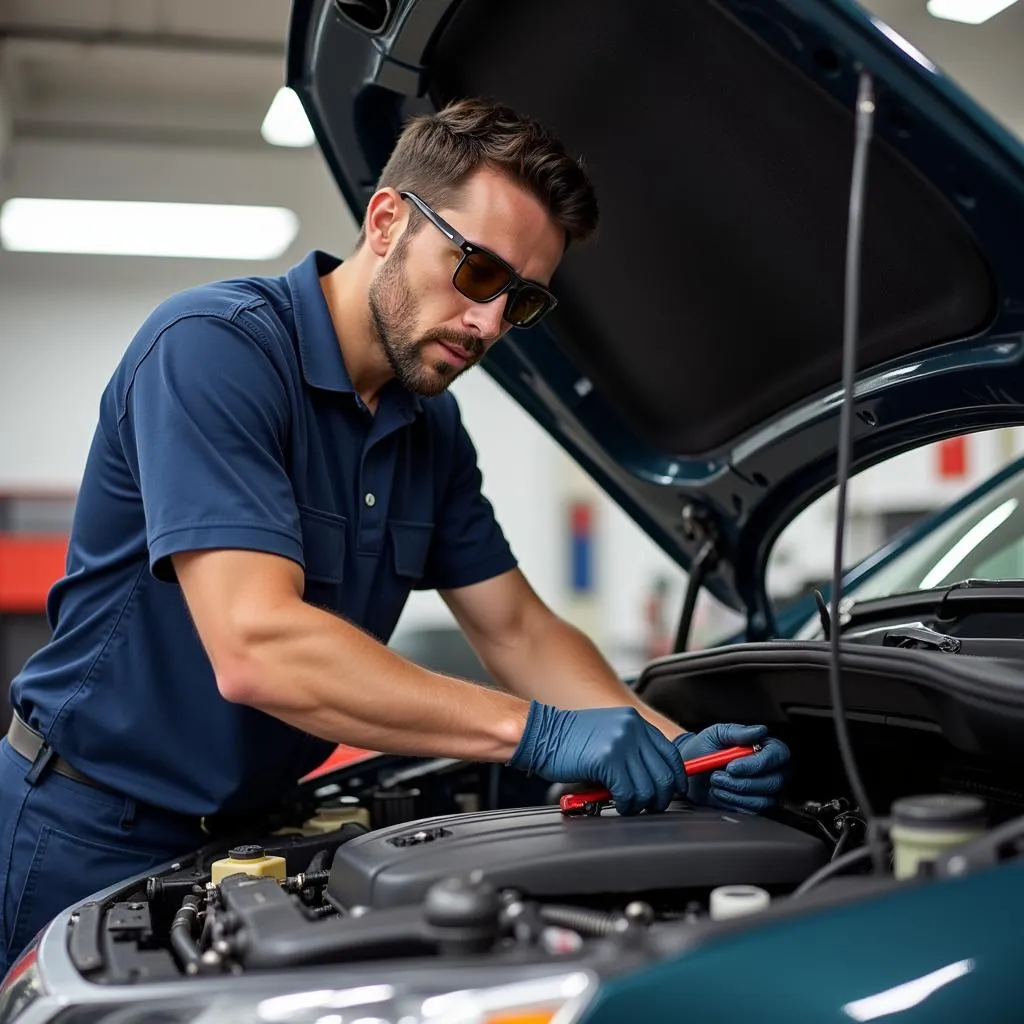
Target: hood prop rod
[(698, 527)]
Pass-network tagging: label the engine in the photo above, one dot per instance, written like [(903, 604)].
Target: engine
[(527, 883), (539, 851)]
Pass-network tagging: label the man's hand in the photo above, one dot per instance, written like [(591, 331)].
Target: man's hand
[(749, 784), (614, 747)]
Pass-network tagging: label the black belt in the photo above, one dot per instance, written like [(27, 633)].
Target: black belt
[(26, 741)]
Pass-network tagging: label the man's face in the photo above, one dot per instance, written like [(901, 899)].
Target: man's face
[(429, 331)]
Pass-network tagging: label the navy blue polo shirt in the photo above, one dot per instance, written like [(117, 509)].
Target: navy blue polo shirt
[(231, 422)]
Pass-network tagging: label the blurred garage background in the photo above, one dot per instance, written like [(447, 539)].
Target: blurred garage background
[(178, 101)]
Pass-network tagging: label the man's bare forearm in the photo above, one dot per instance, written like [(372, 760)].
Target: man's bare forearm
[(322, 675), (553, 662)]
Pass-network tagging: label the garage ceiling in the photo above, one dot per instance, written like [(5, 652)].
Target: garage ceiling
[(189, 72), (202, 72)]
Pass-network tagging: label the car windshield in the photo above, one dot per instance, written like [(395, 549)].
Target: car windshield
[(985, 540)]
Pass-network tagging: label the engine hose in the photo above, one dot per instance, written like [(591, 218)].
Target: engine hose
[(183, 942), (596, 923), (206, 936)]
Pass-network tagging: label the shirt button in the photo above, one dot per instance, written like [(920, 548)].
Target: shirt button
[(370, 499)]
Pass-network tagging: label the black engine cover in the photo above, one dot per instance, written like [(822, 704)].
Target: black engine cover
[(540, 852)]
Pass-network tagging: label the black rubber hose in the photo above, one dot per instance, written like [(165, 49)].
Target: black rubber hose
[(206, 936), (596, 923), (183, 942)]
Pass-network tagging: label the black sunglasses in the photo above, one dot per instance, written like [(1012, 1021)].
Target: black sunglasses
[(482, 276)]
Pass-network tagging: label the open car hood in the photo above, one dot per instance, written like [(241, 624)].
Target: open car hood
[(693, 364)]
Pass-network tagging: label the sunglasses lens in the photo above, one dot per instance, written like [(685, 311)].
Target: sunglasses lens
[(479, 278), (528, 306)]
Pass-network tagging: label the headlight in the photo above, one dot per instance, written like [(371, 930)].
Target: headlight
[(21, 986), (559, 999)]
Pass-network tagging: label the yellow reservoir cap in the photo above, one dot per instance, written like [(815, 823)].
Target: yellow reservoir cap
[(248, 860)]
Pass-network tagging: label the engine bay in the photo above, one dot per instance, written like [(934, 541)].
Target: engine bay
[(410, 860)]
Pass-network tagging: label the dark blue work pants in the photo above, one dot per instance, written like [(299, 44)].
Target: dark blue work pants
[(61, 841)]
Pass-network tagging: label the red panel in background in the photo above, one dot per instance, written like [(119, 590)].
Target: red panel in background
[(952, 456), (29, 565)]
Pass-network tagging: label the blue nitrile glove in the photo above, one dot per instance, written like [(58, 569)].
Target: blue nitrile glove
[(612, 747), (747, 784)]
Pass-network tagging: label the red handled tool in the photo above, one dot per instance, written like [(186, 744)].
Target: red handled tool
[(590, 803)]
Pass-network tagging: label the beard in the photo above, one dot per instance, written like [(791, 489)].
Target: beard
[(393, 314)]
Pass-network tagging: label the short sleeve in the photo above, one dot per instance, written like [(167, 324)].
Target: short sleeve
[(203, 426), (468, 545)]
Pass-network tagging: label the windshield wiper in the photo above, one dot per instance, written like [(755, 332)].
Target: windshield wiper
[(919, 637), (965, 597)]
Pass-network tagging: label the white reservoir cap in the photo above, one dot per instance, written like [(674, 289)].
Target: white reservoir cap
[(737, 900)]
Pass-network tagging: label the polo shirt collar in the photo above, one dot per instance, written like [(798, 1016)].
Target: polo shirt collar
[(322, 362)]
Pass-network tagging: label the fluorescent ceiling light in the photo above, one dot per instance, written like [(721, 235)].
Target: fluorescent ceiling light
[(286, 123), (187, 230), (969, 12)]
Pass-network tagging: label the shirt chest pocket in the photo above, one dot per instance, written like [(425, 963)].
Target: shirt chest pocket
[(323, 551), (410, 543)]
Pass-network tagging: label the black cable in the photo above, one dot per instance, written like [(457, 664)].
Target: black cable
[(864, 119), (833, 867), (844, 838), (823, 616)]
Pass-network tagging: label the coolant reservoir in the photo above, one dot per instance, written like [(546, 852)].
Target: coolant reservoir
[(247, 860), (923, 827), (328, 819)]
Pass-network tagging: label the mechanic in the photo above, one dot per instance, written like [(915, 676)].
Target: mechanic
[(277, 463)]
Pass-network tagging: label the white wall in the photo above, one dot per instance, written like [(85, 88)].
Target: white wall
[(64, 320)]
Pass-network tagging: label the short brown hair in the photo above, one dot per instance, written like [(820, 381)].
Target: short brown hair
[(435, 153)]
